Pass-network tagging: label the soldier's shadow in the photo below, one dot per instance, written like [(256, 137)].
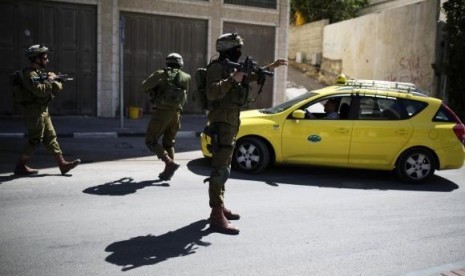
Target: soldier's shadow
[(149, 250), (123, 186)]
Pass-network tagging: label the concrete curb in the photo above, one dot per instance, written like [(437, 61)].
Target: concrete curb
[(181, 134), (12, 135)]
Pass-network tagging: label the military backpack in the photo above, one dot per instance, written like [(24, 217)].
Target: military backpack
[(17, 87), (165, 89)]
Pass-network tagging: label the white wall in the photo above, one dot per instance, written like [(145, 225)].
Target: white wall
[(397, 44)]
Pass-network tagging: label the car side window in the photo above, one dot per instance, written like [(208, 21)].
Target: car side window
[(329, 108), (380, 108), (412, 107)]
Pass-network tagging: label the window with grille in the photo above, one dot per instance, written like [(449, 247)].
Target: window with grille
[(269, 4)]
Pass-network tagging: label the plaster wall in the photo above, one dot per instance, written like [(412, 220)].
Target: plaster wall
[(397, 45)]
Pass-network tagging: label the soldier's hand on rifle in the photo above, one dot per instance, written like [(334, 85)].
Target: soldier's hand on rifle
[(51, 76), (238, 76)]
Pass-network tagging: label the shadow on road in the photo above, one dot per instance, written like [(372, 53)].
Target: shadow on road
[(331, 178), (150, 249), (123, 186)]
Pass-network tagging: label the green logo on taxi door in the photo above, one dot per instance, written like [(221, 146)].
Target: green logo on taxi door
[(314, 138)]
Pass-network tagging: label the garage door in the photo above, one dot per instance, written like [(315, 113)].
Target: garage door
[(259, 43), (70, 30), (149, 39)]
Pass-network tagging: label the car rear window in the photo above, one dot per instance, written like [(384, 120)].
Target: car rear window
[(443, 115)]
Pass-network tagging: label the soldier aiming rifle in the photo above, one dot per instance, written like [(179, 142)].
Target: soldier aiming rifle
[(34, 89), (58, 77)]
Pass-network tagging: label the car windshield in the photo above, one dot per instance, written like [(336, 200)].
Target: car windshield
[(281, 107)]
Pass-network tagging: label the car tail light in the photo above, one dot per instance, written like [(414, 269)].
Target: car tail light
[(459, 128)]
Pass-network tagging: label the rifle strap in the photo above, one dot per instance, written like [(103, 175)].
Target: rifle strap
[(261, 82)]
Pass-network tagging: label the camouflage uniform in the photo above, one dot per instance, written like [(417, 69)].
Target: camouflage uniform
[(36, 96), (166, 115), (35, 91), (226, 97), (227, 91)]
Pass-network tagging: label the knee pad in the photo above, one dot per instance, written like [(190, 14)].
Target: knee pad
[(220, 175)]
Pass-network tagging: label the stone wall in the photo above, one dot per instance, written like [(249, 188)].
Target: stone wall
[(306, 39), (396, 45)]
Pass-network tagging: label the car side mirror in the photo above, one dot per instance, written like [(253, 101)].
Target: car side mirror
[(298, 114)]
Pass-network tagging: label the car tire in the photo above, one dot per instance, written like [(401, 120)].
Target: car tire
[(251, 155), (415, 166)]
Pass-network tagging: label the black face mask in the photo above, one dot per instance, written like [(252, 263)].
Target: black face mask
[(236, 55), (233, 54)]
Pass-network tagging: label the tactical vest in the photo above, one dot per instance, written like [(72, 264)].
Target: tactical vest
[(171, 92), (21, 95), (236, 97)]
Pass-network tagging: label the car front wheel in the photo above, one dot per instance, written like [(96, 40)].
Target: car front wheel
[(251, 155), (415, 166)]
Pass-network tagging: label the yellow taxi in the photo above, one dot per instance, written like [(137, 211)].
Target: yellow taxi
[(365, 124)]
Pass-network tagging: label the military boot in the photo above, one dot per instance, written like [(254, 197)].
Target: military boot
[(170, 168), (64, 165), (230, 215), (219, 223), (22, 169)]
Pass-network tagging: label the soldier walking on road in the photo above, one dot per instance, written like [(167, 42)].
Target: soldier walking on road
[(34, 89), (168, 91), (227, 91)]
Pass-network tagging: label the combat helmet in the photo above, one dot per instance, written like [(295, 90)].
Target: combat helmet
[(174, 59), (36, 50), (228, 41)]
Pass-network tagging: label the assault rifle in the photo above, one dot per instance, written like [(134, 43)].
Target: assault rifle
[(249, 66), (59, 77)]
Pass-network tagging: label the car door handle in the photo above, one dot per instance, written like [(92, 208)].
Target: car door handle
[(342, 130), (401, 132)]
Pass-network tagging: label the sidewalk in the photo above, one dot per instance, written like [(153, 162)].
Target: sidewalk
[(93, 127)]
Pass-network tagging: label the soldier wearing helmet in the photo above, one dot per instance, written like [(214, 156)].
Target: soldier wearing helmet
[(35, 97), (167, 88), (227, 90)]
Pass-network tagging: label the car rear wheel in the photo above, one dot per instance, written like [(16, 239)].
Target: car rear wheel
[(251, 155), (415, 166)]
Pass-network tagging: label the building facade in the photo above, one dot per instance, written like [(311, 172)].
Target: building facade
[(110, 46)]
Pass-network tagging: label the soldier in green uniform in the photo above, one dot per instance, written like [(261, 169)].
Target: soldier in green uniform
[(168, 90), (33, 95), (227, 92)]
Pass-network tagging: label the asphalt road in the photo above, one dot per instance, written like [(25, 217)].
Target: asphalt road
[(112, 216)]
